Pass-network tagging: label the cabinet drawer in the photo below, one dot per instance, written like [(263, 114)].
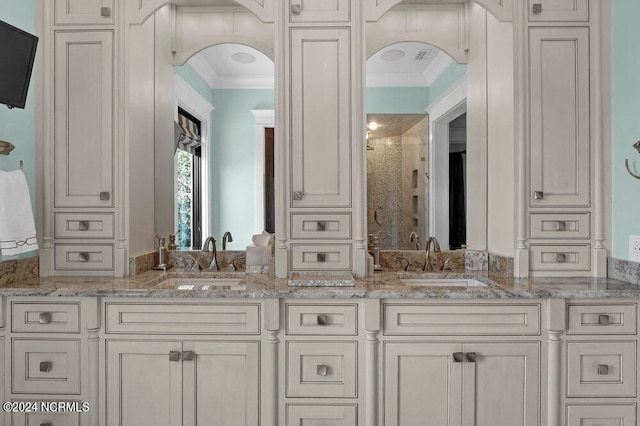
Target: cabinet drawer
[(601, 369), (327, 320), (558, 258), (602, 319), (68, 12), (45, 317), (320, 226), (601, 415), (84, 257), (322, 369), (324, 415), (327, 257), (183, 319), (49, 419), (558, 10), (319, 11), (417, 320), (46, 366), (560, 225), (84, 225)]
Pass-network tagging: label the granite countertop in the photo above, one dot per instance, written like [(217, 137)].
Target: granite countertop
[(381, 285)]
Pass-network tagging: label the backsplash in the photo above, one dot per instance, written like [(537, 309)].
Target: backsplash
[(397, 260), (623, 270), (501, 265), (184, 259), (19, 270)]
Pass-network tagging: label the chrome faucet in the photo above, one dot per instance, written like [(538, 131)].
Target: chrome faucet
[(414, 237), (226, 237), (436, 248), (205, 249)]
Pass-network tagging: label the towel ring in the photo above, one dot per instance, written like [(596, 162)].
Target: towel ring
[(626, 163)]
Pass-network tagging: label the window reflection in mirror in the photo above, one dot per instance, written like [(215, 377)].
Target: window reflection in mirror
[(416, 147), (228, 89)]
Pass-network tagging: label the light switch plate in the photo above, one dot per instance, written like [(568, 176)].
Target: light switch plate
[(634, 248)]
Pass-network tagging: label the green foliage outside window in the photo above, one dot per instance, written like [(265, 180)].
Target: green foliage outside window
[(185, 199)]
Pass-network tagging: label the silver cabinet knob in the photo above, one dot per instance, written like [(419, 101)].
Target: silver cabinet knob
[(561, 257), (458, 357), (46, 366), (323, 319), (470, 356), (44, 317), (188, 355), (83, 225), (537, 8), (296, 7), (174, 356), (84, 257), (105, 11), (538, 195), (603, 319), (603, 370), (105, 196), (298, 195), (322, 226), (322, 370)]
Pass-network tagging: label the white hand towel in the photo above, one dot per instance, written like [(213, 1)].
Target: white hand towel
[(17, 228)]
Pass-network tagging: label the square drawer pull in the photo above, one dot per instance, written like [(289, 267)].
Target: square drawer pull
[(322, 370), (45, 366), (44, 317), (458, 357), (561, 257), (84, 257), (603, 370), (46, 424), (105, 11), (188, 355), (83, 225), (322, 257), (323, 319), (603, 319), (561, 226), (296, 7), (322, 226), (174, 355), (537, 8)]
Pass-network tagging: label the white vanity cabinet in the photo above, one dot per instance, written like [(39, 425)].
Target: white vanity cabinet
[(564, 210), (183, 363), (468, 379), (321, 56), (601, 362), (79, 96)]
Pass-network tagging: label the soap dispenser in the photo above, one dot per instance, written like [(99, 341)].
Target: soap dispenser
[(162, 255)]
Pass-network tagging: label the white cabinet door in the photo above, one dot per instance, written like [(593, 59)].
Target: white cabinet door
[(560, 136), (558, 10), (501, 384), (421, 382), (144, 387), (83, 136), (601, 415), (68, 12), (221, 383), (321, 108)]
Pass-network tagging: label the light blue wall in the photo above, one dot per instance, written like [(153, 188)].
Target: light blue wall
[(625, 129), (446, 79), (233, 161), (397, 100), (194, 80), (17, 125)]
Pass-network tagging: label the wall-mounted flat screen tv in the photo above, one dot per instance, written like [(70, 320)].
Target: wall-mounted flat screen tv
[(17, 53)]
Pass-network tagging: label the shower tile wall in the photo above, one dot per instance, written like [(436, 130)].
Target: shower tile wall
[(391, 188)]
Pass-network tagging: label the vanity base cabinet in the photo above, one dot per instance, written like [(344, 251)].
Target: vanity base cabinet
[(601, 415), (457, 384), (182, 383)]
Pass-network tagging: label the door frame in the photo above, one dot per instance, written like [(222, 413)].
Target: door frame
[(262, 119)]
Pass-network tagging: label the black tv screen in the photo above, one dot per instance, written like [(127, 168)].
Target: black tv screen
[(17, 52)]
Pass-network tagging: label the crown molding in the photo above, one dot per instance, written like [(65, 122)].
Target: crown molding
[(204, 70), (244, 82), (435, 69)]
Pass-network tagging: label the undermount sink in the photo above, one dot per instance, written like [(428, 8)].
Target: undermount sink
[(203, 284), (442, 282)]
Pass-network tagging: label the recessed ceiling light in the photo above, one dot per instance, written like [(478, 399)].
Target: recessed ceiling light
[(373, 125), (392, 55), (243, 58)]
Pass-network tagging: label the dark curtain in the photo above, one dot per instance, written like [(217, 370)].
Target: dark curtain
[(457, 208)]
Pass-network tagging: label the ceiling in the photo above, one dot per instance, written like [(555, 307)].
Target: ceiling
[(391, 124), (407, 64)]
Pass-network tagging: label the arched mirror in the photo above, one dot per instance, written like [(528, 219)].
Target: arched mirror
[(416, 147), (224, 146)]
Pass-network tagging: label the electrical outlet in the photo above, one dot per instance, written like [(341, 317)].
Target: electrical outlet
[(634, 248)]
